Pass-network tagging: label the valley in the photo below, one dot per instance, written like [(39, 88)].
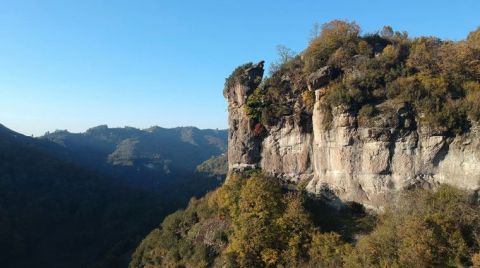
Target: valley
[(82, 200)]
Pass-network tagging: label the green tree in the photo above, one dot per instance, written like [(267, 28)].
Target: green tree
[(424, 229), (295, 228), (334, 35), (424, 54), (255, 234), (285, 55), (328, 250)]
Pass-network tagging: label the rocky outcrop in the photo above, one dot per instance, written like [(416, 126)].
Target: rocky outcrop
[(349, 160), (321, 77), (241, 135)]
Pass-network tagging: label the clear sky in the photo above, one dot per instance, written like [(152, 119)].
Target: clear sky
[(72, 65)]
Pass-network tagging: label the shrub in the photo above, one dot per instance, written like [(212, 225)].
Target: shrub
[(285, 55), (334, 35), (339, 94), (255, 104), (366, 113), (309, 100), (476, 260), (473, 39), (424, 54), (424, 229), (236, 75), (472, 99), (328, 250), (269, 102)]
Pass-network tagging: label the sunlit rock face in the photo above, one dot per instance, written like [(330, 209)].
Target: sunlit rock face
[(349, 160)]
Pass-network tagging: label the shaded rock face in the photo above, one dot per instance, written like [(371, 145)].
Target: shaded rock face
[(242, 137), (321, 77), (352, 160)]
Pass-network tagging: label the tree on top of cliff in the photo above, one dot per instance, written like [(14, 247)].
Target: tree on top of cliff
[(439, 79), (285, 55), (337, 36)]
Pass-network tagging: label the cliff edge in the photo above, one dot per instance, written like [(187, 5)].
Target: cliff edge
[(347, 160)]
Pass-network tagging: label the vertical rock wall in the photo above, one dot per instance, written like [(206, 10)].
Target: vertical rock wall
[(349, 161)]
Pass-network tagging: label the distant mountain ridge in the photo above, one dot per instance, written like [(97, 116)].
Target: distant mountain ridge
[(153, 153)]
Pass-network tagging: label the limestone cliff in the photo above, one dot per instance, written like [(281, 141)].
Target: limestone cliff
[(348, 160)]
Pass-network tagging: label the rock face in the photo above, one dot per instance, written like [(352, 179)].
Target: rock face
[(351, 160), (321, 77), (241, 135)]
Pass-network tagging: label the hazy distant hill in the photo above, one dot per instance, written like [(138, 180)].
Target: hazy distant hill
[(150, 154), (215, 166)]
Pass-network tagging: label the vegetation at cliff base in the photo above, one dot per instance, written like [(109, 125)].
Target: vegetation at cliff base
[(440, 79), (254, 222)]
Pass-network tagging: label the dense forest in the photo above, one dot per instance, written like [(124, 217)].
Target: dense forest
[(252, 221), (152, 157), (56, 212)]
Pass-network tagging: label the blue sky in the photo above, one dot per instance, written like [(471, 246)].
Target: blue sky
[(77, 64)]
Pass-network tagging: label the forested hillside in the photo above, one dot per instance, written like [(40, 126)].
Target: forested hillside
[(56, 213), (251, 221), (149, 156)]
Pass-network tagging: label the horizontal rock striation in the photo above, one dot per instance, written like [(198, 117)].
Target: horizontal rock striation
[(348, 160)]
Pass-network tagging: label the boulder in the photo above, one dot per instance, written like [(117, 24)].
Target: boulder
[(320, 78)]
